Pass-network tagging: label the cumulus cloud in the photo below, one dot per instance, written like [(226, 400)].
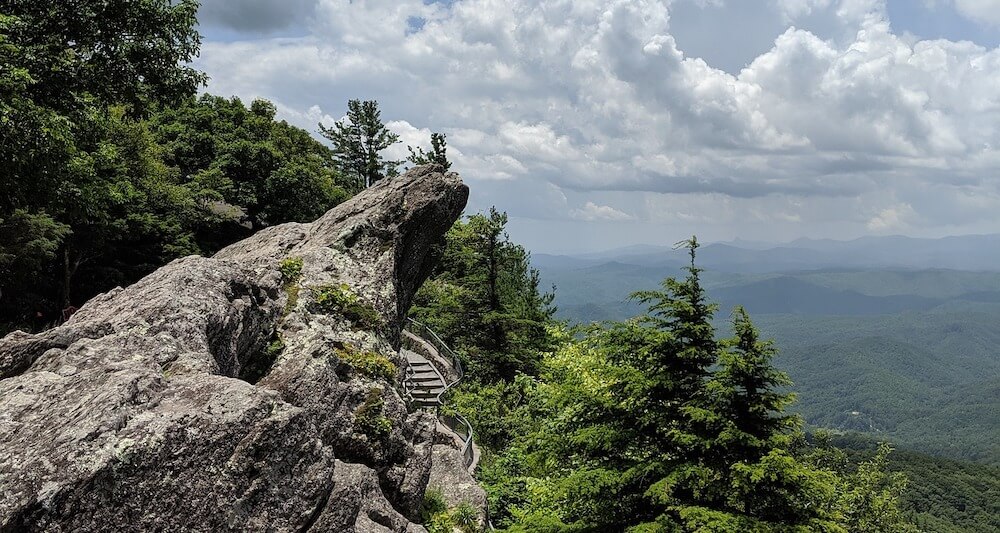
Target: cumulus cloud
[(548, 98), (591, 212)]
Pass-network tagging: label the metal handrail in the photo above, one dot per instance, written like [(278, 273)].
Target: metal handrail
[(408, 384), (455, 420), (457, 423), (442, 348)]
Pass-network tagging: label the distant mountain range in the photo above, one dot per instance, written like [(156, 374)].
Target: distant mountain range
[(894, 336), (970, 252)]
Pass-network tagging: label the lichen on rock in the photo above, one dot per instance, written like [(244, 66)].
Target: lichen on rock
[(201, 398)]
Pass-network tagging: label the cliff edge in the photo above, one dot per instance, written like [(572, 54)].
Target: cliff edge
[(254, 390)]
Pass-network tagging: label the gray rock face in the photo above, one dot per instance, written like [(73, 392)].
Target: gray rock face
[(219, 394), (452, 478)]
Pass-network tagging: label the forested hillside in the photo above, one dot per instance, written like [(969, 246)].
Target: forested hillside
[(572, 441), (907, 355), (113, 166)]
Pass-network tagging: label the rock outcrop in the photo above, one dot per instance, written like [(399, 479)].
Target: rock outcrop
[(450, 476), (255, 390)]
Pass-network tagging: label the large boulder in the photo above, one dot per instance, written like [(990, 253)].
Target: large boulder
[(255, 390)]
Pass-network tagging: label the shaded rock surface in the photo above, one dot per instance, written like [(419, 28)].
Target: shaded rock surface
[(219, 394), (450, 475)]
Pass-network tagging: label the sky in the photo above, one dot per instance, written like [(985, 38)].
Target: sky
[(603, 123)]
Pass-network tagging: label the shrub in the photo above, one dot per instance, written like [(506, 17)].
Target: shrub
[(370, 419), (340, 299), (370, 364)]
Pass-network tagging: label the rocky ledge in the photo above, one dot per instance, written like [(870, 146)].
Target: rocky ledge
[(255, 390)]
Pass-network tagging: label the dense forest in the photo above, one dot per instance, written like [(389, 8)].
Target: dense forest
[(114, 165)]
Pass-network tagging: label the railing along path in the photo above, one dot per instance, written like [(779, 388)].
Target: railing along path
[(453, 421)]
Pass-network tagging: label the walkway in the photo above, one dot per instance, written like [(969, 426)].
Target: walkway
[(428, 376), (426, 384)]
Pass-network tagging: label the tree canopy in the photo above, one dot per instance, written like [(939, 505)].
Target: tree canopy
[(484, 298)]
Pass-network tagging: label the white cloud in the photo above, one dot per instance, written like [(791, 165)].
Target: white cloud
[(591, 212), (793, 9), (892, 218), (543, 98), (985, 11)]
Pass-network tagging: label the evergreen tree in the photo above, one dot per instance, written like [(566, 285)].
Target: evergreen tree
[(484, 298), (358, 143), (438, 154), (745, 392)]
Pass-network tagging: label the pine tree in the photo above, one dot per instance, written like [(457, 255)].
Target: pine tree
[(358, 143), (745, 393), (438, 154)]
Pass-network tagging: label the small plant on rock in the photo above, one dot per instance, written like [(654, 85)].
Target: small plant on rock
[(370, 418), (369, 364), (291, 270), (465, 517), (291, 273), (340, 299), (433, 504)]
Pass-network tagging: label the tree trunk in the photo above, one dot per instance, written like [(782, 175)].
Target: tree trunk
[(494, 295), (69, 268)]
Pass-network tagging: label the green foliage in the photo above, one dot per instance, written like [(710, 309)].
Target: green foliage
[(437, 156), (359, 141), (370, 364), (484, 300), (369, 417), (654, 424), (432, 505), (439, 523), (872, 502), (465, 517), (437, 518), (497, 410), (112, 167), (267, 172), (910, 355), (257, 366), (341, 299), (941, 495), (291, 270)]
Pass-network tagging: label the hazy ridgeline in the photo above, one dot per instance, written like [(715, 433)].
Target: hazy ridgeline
[(894, 337)]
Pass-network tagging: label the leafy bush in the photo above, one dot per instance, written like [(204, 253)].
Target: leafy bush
[(436, 517), (439, 523), (369, 364), (340, 299), (370, 419)]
